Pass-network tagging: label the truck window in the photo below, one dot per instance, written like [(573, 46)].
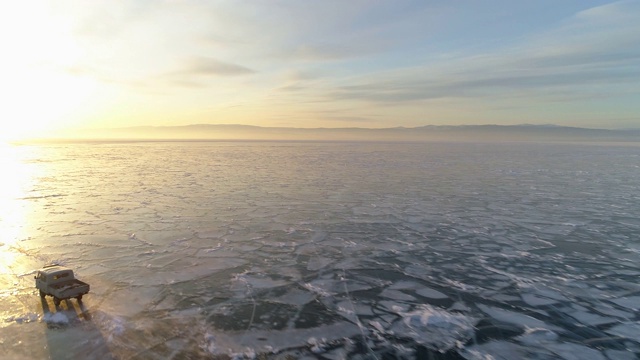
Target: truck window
[(60, 276)]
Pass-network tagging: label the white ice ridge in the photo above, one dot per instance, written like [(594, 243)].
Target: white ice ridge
[(434, 328), (537, 337)]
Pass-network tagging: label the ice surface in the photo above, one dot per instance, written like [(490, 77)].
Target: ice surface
[(592, 319), (317, 263), (505, 350), (514, 318), (497, 350), (431, 293), (631, 302), (620, 355), (535, 300), (397, 295), (628, 330), (571, 351), (275, 341), (435, 328), (332, 250)]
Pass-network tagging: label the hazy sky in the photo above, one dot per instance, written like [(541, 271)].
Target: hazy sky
[(319, 63)]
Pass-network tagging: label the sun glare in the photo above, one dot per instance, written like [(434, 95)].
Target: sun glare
[(41, 92), (44, 102), (12, 211)]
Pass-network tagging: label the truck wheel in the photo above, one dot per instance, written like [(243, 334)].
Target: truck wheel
[(79, 297), (56, 301), (42, 294)]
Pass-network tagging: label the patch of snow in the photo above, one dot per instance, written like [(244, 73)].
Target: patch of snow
[(24, 318), (434, 328), (55, 318), (536, 337), (316, 290), (317, 346), (459, 306), (210, 343)]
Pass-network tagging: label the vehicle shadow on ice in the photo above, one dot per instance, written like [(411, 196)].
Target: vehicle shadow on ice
[(71, 332)]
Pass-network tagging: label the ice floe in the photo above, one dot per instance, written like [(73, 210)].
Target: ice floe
[(431, 293), (513, 318)]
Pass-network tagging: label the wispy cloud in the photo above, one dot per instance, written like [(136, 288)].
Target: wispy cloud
[(594, 49), (196, 72), (322, 52), (204, 66)]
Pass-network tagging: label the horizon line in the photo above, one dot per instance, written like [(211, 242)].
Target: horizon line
[(522, 125)]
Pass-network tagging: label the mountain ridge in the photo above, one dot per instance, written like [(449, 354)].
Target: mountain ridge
[(484, 132)]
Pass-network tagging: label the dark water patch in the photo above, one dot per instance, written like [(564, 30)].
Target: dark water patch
[(487, 331), (424, 353), (566, 246), (258, 315), (385, 274), (314, 314), (234, 317)]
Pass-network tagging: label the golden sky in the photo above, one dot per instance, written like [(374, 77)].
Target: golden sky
[(103, 63)]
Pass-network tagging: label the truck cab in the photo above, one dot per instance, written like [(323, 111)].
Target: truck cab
[(53, 274)]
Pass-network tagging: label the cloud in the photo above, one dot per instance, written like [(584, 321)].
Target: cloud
[(298, 75), (334, 51), (325, 52), (293, 87), (593, 50), (611, 13), (195, 73), (204, 66), (285, 32)]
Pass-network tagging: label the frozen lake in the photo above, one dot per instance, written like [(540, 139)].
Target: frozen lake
[(323, 250)]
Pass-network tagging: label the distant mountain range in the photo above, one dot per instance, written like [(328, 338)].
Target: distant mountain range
[(524, 132)]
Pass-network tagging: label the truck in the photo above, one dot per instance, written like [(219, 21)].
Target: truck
[(58, 281)]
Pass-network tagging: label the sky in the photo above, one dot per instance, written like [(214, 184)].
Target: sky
[(373, 64)]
